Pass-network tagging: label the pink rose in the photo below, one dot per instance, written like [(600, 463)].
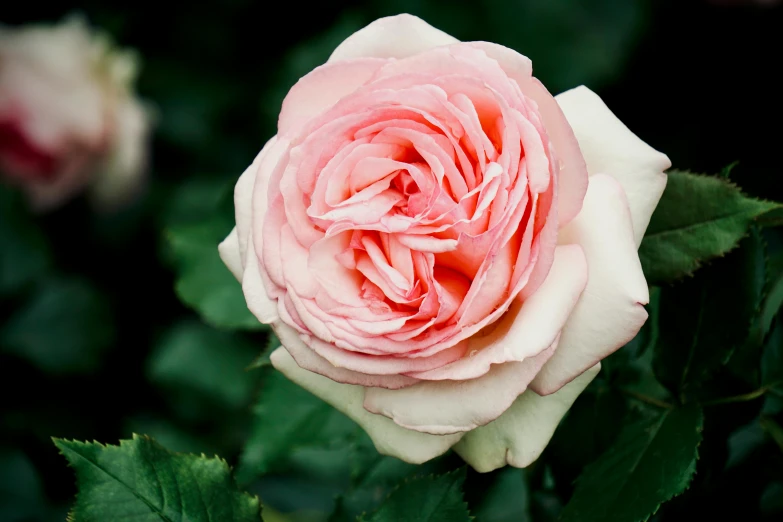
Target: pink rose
[(445, 251), (68, 118)]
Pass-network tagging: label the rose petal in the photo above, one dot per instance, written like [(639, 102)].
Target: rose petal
[(528, 327), (258, 302), (389, 439), (392, 37), (307, 359), (610, 311), (258, 172), (519, 436), (572, 172), (323, 87), (443, 407), (229, 253), (610, 148)]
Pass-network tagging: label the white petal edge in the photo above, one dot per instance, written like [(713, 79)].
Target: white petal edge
[(397, 36), (610, 311), (258, 302), (243, 191), (520, 435), (611, 148), (389, 439), (307, 359), (444, 407), (229, 253)]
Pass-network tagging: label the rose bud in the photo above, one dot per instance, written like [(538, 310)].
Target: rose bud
[(68, 116), (445, 250)]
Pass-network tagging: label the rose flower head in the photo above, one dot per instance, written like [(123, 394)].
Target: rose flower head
[(68, 116), (445, 250)]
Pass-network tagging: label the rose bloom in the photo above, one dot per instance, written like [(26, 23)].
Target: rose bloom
[(445, 250), (68, 117)]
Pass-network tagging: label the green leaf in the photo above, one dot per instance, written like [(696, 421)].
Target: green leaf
[(773, 428), (698, 218), (288, 417), (143, 481), (64, 327), (373, 476), (425, 499), (21, 494), (191, 202), (272, 344), (651, 462), (772, 359), (507, 499), (586, 432), (24, 253), (698, 331), (194, 358), (203, 281)]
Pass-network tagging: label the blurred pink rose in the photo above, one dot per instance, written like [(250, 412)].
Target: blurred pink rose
[(445, 250), (68, 116)]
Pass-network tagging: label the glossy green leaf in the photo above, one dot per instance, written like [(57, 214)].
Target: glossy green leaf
[(64, 327), (287, 417), (141, 480), (698, 218), (425, 499), (652, 461)]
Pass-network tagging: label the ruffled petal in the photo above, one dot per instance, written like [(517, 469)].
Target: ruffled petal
[(572, 170), (307, 359), (529, 326)]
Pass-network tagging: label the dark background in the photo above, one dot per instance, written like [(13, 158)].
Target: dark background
[(697, 80)]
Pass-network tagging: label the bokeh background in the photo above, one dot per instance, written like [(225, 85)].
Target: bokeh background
[(97, 345)]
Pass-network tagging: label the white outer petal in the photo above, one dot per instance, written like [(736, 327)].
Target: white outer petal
[(609, 147), (229, 253), (610, 311), (389, 439), (520, 435), (392, 37)]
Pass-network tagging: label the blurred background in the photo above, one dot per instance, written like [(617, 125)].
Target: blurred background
[(94, 341)]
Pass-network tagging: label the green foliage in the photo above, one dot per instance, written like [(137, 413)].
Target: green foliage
[(428, 499), (651, 462), (698, 331), (24, 254), (287, 417), (507, 499), (65, 326), (21, 494), (192, 358), (698, 218), (142, 480), (203, 281)]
